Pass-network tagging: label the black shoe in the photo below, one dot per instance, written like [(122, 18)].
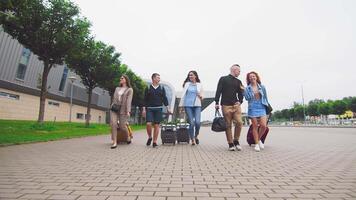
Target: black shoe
[(154, 145), (196, 140), (237, 145), (113, 147), (231, 147), (129, 142), (149, 141)]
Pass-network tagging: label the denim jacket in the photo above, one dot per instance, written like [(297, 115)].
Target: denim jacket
[(250, 96)]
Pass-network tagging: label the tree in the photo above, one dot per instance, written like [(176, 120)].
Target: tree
[(49, 28), (298, 112), (277, 115), (325, 108), (339, 107), (285, 114), (93, 62), (112, 78), (353, 104), (347, 100), (313, 109)]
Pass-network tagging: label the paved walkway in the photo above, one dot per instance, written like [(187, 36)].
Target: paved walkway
[(298, 163)]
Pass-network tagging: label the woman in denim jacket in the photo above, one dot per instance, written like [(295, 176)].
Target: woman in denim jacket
[(256, 95)]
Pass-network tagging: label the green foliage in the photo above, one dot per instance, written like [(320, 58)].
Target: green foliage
[(49, 28), (138, 85), (313, 109), (43, 127), (317, 107), (18, 132), (353, 104), (325, 108), (339, 107), (299, 112), (92, 61)]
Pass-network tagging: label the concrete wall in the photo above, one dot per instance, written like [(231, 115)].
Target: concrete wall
[(27, 107)]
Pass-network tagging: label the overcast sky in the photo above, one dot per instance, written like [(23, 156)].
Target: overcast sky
[(309, 43)]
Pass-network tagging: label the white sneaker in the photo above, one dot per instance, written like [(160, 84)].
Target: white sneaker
[(257, 148), (260, 143), (231, 148), (238, 147)]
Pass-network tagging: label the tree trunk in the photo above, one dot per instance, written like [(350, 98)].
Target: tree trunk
[(46, 69), (87, 119)]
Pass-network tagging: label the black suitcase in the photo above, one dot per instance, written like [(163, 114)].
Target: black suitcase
[(182, 133), (168, 134)]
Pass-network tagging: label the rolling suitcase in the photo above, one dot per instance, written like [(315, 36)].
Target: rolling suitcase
[(251, 140), (168, 134), (182, 133), (122, 137)]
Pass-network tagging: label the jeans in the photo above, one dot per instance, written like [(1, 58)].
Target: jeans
[(193, 114)]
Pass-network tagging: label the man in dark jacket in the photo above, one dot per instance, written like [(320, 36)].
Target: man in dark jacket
[(154, 99), (230, 89)]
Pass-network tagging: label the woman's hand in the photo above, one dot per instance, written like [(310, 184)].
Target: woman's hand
[(200, 96), (128, 114)]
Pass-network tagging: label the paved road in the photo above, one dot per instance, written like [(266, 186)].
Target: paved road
[(297, 163)]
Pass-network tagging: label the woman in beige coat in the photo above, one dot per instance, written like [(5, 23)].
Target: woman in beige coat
[(123, 98)]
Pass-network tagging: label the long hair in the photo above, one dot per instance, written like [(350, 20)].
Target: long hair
[(128, 83), (196, 77), (257, 76)]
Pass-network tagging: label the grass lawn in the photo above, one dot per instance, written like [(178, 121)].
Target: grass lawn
[(19, 132)]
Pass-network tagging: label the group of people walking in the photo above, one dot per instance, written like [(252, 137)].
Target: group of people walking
[(229, 97)]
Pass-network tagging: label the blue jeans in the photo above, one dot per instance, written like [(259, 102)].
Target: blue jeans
[(193, 114)]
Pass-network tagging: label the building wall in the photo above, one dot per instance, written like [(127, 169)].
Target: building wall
[(26, 108), (11, 54)]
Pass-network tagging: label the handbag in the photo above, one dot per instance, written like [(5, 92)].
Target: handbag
[(115, 107), (269, 109), (219, 124)]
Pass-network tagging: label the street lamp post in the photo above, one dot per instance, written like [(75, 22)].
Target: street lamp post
[(303, 104), (72, 79)]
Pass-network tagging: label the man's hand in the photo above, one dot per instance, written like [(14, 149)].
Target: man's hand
[(217, 107), (144, 112), (180, 109), (242, 87)]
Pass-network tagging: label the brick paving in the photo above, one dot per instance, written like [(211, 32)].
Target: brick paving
[(297, 163)]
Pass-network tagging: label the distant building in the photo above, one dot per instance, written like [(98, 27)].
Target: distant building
[(20, 80)]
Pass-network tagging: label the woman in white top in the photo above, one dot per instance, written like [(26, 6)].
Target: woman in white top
[(191, 101)]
